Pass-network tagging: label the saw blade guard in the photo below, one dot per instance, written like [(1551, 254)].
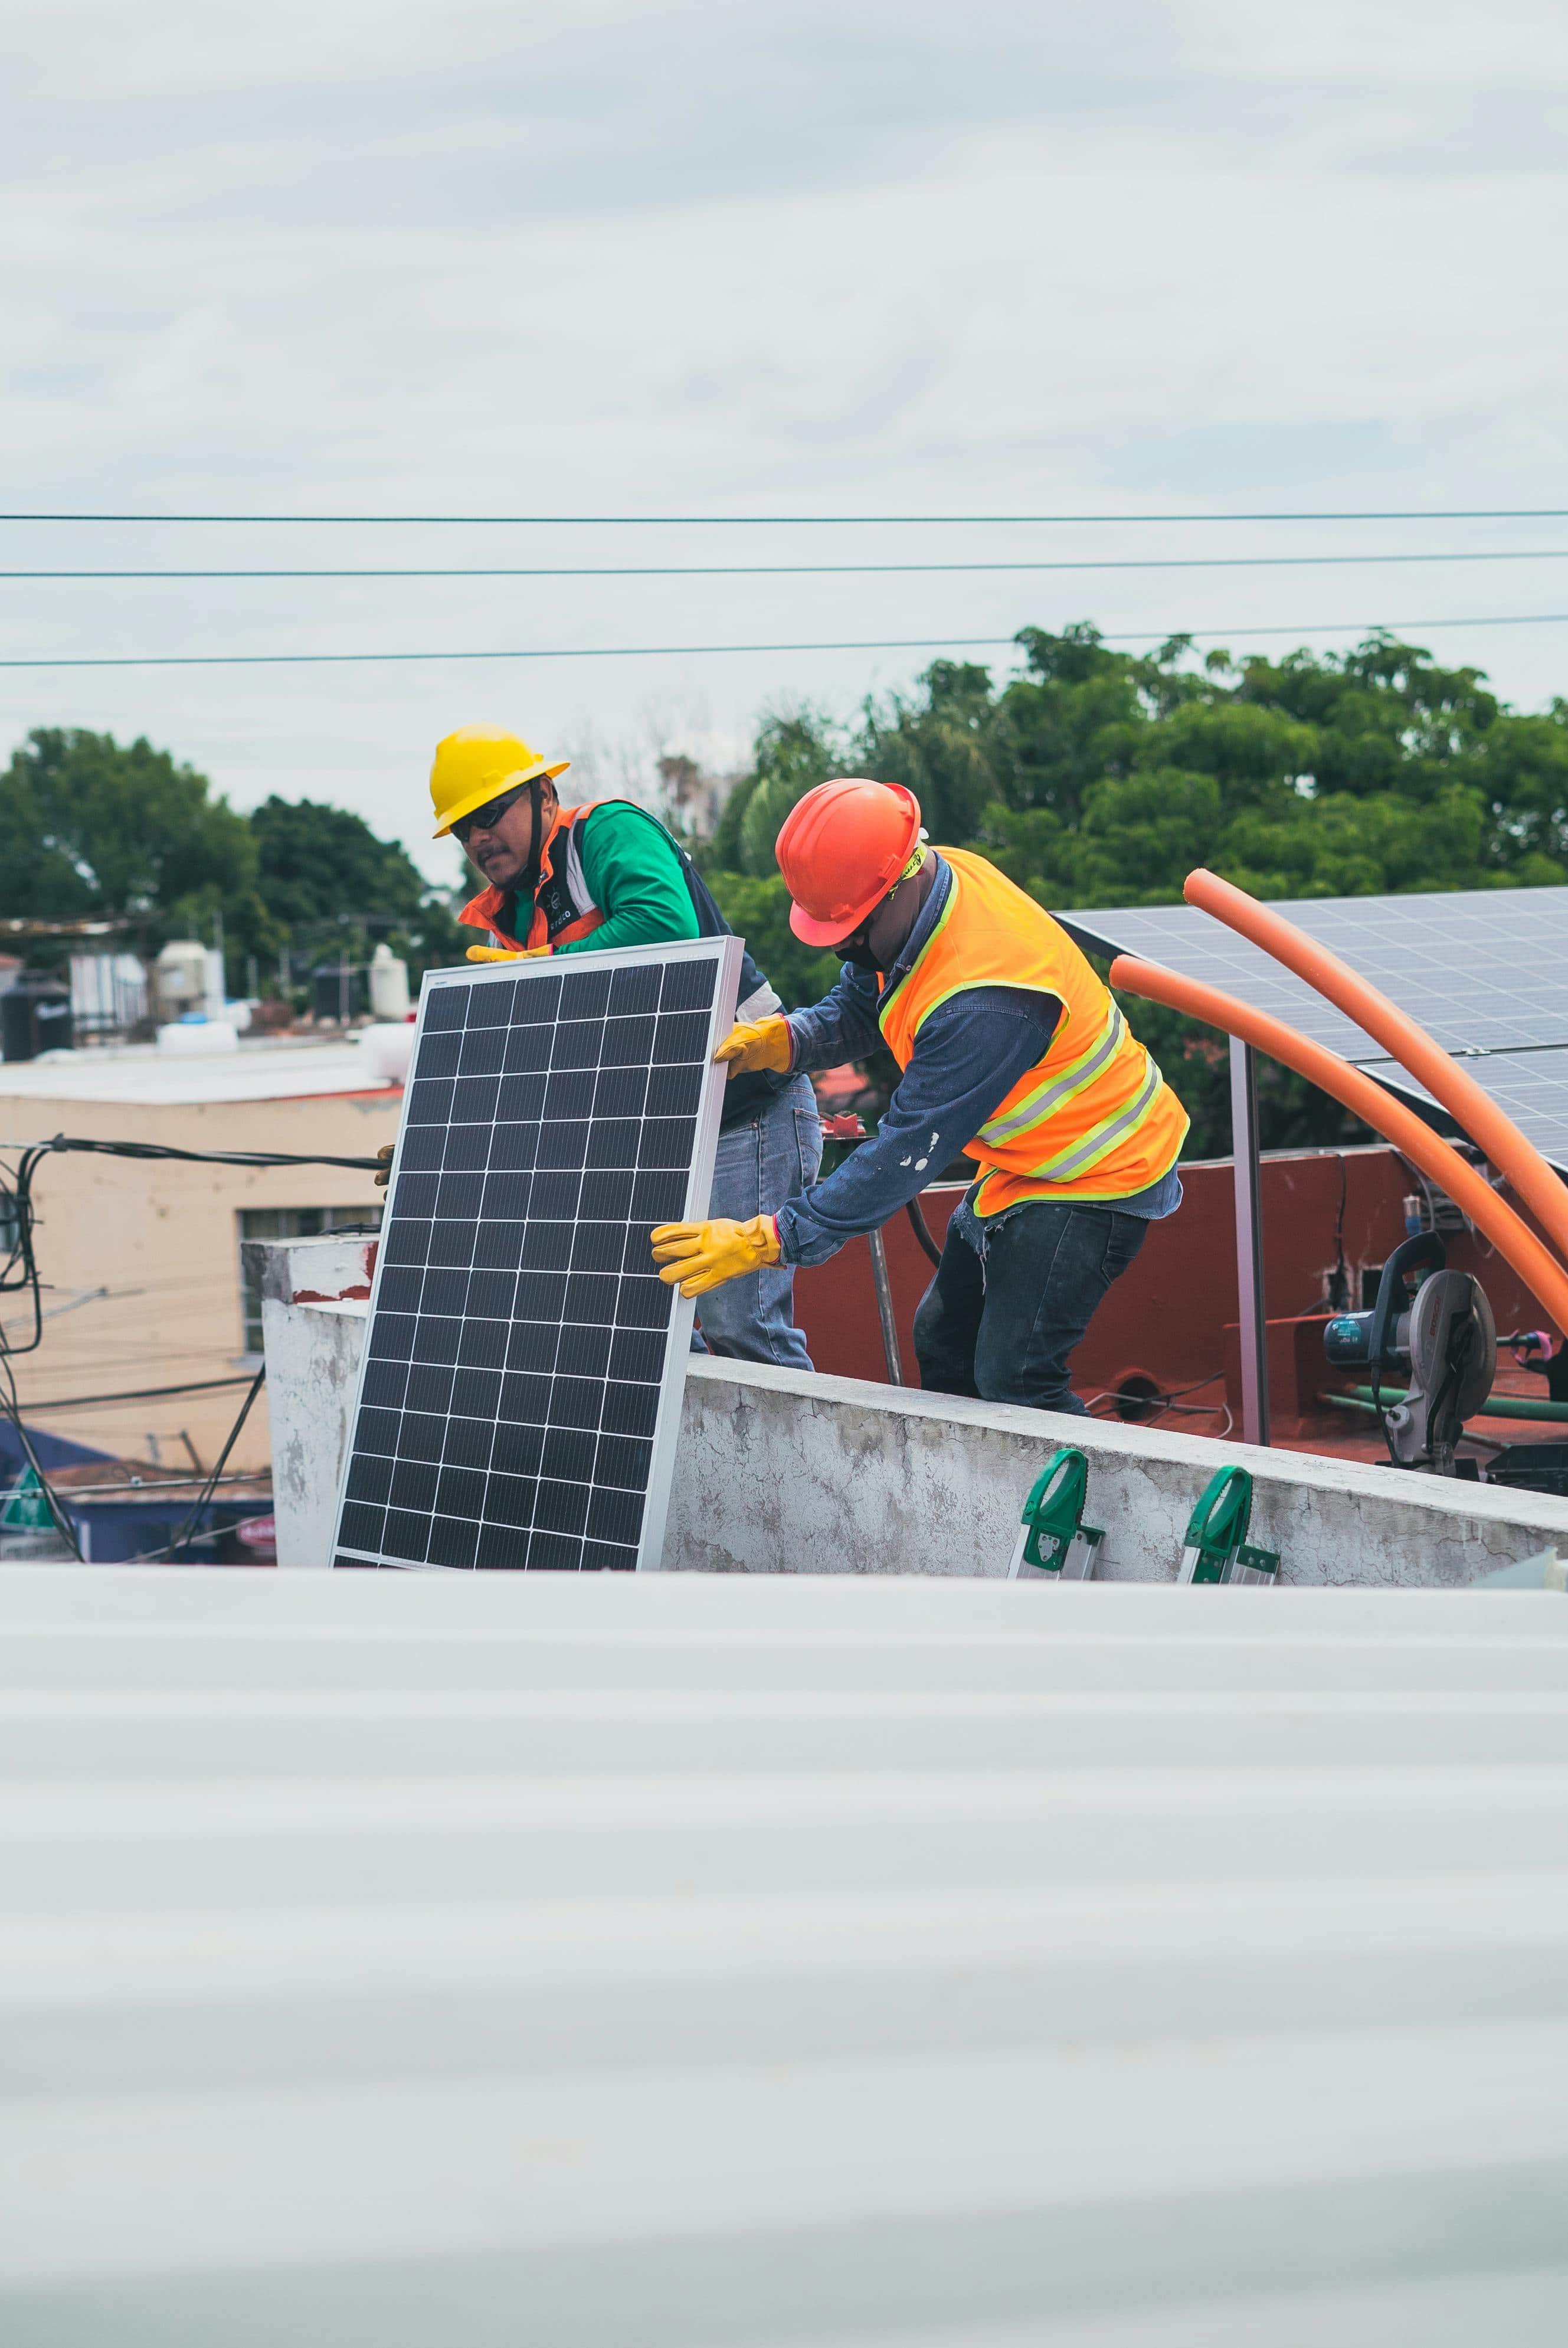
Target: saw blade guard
[(1452, 1345)]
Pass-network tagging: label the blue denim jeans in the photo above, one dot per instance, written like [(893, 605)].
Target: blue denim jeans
[(1001, 1321), (771, 1158)]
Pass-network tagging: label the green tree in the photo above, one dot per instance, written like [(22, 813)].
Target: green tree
[(326, 879), (793, 751), (758, 910), (1101, 778), (943, 747), (94, 826)]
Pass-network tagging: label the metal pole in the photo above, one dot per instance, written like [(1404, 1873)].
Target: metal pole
[(1249, 1244), (884, 1287)]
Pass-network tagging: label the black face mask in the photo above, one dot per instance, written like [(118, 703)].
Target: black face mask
[(860, 955)]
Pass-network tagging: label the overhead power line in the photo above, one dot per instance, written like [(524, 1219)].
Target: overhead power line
[(824, 569), (846, 645), (805, 520)]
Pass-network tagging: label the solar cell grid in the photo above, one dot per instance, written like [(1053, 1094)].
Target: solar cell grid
[(1531, 1087), (523, 1361), (1484, 972), (1479, 969)]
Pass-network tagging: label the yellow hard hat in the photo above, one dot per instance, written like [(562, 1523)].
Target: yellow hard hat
[(478, 763)]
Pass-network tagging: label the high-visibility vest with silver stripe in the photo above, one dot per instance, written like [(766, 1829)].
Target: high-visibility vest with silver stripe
[(1093, 1119)]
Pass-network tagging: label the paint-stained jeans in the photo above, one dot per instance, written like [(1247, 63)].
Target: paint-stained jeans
[(1002, 1325), (760, 1164)]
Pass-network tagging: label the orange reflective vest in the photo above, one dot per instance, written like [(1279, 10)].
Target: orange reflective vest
[(1093, 1119), (563, 906)]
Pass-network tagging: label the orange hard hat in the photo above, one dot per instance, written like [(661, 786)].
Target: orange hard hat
[(840, 849)]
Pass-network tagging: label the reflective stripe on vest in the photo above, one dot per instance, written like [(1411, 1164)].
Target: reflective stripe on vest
[(1093, 1117), (1079, 1156), (1061, 1088)]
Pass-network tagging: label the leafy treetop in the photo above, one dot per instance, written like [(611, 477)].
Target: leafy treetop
[(96, 826), (1102, 777)]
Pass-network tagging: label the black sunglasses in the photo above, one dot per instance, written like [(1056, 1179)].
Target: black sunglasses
[(485, 819)]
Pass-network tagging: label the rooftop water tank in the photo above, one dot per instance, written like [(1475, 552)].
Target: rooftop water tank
[(179, 978), (388, 984), (35, 1016)]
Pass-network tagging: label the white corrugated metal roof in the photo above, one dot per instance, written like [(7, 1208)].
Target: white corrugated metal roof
[(715, 1961), (140, 1073)]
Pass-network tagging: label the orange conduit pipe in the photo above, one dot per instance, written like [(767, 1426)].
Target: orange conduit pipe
[(1509, 1233), (1493, 1133)]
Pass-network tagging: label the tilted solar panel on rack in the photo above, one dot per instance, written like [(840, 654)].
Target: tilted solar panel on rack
[(523, 1362), (1531, 1087), (1481, 970)]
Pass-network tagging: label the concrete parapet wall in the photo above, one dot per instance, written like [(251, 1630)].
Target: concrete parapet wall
[(313, 1306), (779, 1471)]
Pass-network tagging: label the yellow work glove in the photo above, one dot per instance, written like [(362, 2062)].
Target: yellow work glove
[(699, 1256), (758, 1044), (384, 1177), (506, 953)]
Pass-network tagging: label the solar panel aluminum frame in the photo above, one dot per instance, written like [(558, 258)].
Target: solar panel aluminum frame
[(726, 954), (1483, 971), (1491, 1071)]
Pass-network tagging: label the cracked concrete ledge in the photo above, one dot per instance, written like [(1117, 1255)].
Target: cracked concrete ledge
[(782, 1472)]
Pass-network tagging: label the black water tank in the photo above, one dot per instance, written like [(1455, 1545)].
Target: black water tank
[(35, 1016), (339, 991)]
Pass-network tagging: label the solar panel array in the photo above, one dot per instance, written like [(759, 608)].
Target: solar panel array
[(1479, 969), (1483, 971), (1531, 1087), (523, 1365)]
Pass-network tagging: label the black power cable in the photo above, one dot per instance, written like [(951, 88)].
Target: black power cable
[(922, 1230), (138, 1394), (19, 1274), (789, 521), (1299, 629), (12, 1408), (199, 1157), (824, 569), (180, 1545)]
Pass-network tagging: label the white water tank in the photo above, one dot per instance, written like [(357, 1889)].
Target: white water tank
[(388, 984), (179, 978)]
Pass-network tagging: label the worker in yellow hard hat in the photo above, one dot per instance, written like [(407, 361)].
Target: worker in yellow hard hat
[(562, 879)]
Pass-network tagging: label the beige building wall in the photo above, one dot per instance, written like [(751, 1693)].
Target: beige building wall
[(160, 1240)]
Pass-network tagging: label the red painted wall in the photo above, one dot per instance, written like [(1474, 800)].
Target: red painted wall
[(1166, 1317)]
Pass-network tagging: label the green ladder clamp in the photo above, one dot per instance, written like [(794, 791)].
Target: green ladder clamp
[(1217, 1545), (1055, 1542)]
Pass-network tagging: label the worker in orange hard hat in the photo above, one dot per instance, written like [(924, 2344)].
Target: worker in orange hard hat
[(1013, 1052), (563, 879)]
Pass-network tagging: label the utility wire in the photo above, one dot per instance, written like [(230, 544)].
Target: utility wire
[(180, 1546), (137, 1393), (162, 1149), (166, 1483), (64, 1523), (855, 644), (809, 520), (830, 569)]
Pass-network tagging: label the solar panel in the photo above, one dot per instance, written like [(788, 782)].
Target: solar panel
[(1531, 1087), (1479, 969), (520, 1389), (1483, 971)]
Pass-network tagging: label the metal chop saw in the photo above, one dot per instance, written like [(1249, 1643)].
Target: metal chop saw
[(1439, 1342)]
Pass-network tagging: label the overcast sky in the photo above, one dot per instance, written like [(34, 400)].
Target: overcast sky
[(1156, 257)]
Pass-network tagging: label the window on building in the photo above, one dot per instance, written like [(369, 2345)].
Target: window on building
[(290, 1223)]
